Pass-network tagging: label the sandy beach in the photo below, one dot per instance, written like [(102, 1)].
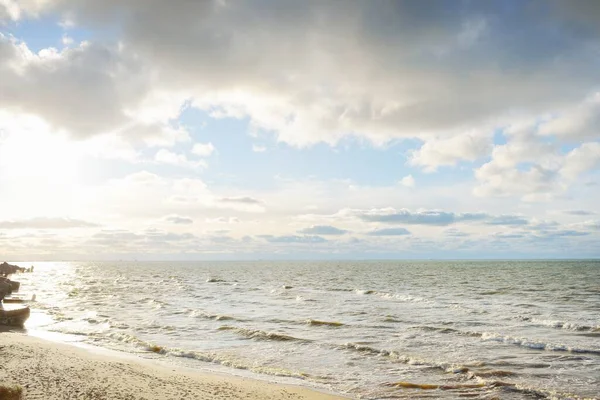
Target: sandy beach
[(51, 371)]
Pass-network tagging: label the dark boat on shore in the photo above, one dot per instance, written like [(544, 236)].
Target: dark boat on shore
[(19, 298), (14, 285), (14, 316)]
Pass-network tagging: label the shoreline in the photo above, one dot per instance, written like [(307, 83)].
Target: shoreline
[(52, 370)]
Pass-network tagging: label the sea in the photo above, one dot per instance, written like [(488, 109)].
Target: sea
[(363, 329)]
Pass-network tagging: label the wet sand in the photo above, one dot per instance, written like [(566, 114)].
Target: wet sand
[(51, 371)]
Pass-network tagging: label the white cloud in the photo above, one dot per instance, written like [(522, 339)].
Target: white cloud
[(223, 220), (85, 91), (46, 223), (179, 220), (203, 149), (67, 40), (374, 74), (579, 122), (258, 149), (581, 159), (17, 9), (408, 69), (164, 156), (533, 169), (408, 181), (447, 152)]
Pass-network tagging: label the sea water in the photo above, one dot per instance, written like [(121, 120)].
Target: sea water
[(394, 329)]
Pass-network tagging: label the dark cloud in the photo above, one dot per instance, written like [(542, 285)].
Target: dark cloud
[(417, 66), (293, 239), (389, 232), (544, 225), (507, 220), (426, 217), (85, 90), (564, 233), (240, 200), (503, 235), (579, 212), (175, 219), (323, 230)]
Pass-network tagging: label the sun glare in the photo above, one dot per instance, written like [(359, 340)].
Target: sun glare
[(32, 155)]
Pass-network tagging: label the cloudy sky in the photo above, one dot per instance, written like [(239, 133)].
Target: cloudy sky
[(224, 129)]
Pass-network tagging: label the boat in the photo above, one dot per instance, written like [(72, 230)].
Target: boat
[(19, 298), (14, 316), (14, 285)]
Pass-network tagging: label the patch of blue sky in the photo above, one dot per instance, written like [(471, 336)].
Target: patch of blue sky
[(525, 166), (38, 34), (47, 32), (237, 163), (499, 137)]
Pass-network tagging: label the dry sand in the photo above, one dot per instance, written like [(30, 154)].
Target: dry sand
[(52, 371)]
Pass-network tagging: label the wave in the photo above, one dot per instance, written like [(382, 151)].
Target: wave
[(386, 295), (133, 340), (493, 292), (536, 345), (68, 331), (214, 358), (231, 362), (492, 373), (407, 298), (302, 298), (563, 325), (425, 386), (153, 302), (94, 321), (372, 351), (214, 280), (261, 335), (215, 317), (392, 319), (439, 329), (315, 322), (470, 370), (118, 325), (467, 389)]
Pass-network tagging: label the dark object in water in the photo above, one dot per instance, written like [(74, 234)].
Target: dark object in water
[(14, 317)]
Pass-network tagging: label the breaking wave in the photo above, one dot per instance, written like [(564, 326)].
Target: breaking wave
[(536, 345), (261, 335)]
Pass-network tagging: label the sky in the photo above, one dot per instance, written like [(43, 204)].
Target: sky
[(284, 129)]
